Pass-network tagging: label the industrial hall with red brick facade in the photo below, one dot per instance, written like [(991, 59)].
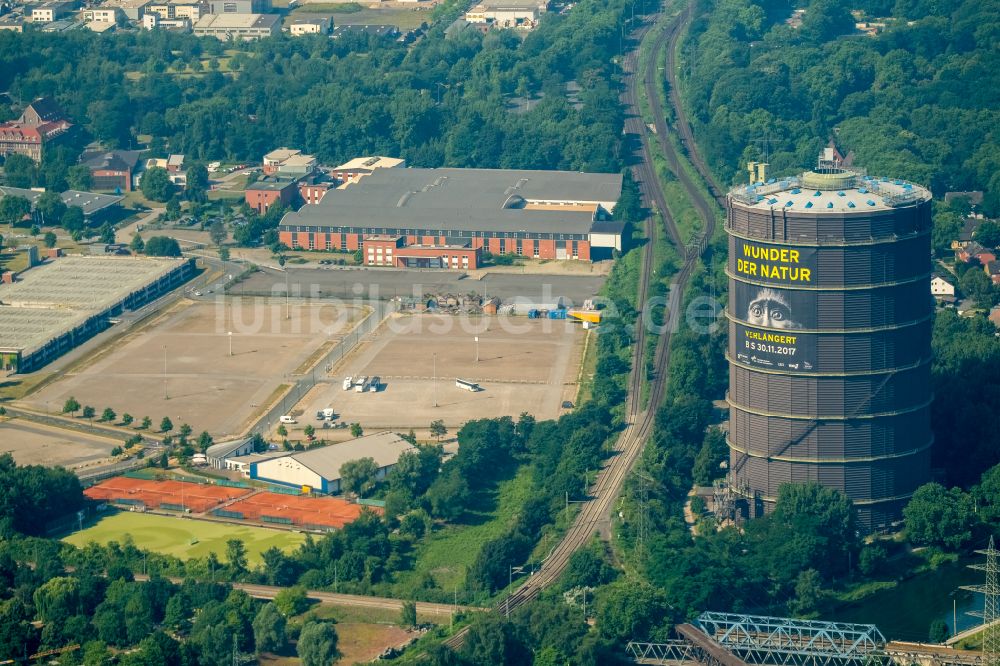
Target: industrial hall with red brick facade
[(444, 218)]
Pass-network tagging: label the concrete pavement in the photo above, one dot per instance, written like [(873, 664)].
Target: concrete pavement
[(125, 234)]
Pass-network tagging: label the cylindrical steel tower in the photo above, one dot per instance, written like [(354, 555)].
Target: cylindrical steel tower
[(830, 339)]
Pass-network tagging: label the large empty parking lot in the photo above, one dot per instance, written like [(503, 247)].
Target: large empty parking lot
[(37, 444), (180, 364), (524, 366)]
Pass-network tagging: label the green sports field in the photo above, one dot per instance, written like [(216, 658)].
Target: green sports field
[(174, 536)]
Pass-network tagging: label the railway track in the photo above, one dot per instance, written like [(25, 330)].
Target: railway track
[(611, 478), (683, 126)]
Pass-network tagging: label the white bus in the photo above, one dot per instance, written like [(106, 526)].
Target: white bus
[(468, 386), (362, 384), (375, 384)]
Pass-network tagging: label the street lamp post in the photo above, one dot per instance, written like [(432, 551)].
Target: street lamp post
[(510, 582), (435, 382), (230, 343), (477, 349), (165, 396)]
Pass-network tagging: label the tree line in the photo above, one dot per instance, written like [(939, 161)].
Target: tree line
[(441, 101), (919, 101), (99, 607)]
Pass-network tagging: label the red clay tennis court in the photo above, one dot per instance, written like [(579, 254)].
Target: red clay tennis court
[(321, 512), (173, 495)]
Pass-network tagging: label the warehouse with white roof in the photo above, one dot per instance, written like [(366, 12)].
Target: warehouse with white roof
[(319, 469)]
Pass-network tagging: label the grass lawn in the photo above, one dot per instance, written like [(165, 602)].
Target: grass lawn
[(136, 197), (174, 536), (588, 369), (448, 553)]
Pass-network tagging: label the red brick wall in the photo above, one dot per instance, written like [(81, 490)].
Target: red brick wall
[(260, 200), (125, 176), (376, 258), (313, 194), (546, 249), (472, 254)]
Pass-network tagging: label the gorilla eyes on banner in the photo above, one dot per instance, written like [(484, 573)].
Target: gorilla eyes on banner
[(770, 337), (768, 307)]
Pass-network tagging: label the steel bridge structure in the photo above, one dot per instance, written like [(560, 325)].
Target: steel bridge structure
[(728, 639), (781, 641)]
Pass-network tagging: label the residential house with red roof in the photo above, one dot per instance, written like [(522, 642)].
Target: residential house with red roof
[(41, 123)]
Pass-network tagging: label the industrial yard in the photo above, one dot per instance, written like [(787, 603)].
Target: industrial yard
[(524, 366), (348, 284), (185, 365)]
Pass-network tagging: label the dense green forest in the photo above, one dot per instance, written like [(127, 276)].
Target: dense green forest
[(439, 102), (920, 101)]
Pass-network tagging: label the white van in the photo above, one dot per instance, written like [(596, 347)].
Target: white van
[(286, 419), (348, 383)]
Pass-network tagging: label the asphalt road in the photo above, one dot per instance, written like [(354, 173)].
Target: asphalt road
[(352, 283), (270, 592)]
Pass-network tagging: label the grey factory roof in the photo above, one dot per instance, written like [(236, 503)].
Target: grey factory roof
[(224, 449), (111, 159), (513, 4), (861, 193), (254, 457), (465, 199), (271, 183), (373, 30), (90, 202), (608, 227), (29, 328), (54, 298), (384, 447), (84, 283), (236, 21)]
